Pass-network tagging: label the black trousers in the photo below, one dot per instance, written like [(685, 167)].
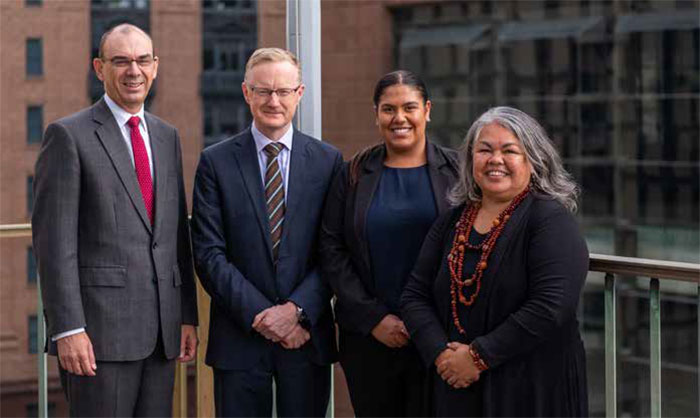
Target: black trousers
[(302, 387), (142, 388), (383, 381)]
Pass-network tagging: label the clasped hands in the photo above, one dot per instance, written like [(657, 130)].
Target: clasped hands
[(391, 332), (456, 366), (279, 324)]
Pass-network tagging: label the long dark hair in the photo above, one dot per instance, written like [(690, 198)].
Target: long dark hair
[(394, 78)]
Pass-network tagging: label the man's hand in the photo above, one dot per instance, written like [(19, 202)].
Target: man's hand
[(456, 366), (391, 332), (295, 339), (276, 322), (188, 343), (76, 355)]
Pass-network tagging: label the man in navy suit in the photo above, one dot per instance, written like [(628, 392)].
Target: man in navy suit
[(258, 199)]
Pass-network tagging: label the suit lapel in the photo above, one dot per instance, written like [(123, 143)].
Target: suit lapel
[(298, 165), (438, 179), (159, 169), (247, 157), (365, 188), (112, 140)]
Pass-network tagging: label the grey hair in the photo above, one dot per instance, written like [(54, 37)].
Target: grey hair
[(548, 177)]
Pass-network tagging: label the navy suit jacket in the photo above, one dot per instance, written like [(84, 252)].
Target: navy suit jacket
[(233, 252)]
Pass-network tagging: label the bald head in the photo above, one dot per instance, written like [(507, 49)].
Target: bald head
[(124, 28)]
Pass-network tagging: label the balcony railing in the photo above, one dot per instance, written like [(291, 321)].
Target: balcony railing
[(613, 267)]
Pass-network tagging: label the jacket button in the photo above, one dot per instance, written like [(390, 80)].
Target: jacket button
[(155, 245)]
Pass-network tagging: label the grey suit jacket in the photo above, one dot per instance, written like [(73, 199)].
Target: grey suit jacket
[(102, 265)]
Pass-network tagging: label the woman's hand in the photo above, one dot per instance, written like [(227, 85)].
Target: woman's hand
[(456, 366), (391, 332)]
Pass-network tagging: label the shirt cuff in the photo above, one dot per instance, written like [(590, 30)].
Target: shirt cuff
[(67, 334)]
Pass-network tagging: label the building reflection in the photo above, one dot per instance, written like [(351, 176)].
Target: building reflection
[(616, 83)]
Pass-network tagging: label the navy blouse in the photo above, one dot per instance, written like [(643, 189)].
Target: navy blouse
[(402, 210)]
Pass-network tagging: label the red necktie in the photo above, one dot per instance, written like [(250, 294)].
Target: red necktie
[(143, 168)]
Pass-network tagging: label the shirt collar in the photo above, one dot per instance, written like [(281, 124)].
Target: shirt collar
[(121, 115), (261, 140)]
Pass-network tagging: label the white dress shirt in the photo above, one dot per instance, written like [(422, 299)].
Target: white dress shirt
[(122, 117), (261, 141)]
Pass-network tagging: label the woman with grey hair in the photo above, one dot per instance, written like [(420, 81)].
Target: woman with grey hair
[(491, 302)]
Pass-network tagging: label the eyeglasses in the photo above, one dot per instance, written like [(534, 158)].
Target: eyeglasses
[(267, 93), (123, 62)]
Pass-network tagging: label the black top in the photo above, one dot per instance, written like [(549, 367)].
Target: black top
[(344, 255), (401, 213), (523, 323), (471, 257)]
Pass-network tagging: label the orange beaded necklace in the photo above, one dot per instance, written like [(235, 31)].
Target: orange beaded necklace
[(455, 259)]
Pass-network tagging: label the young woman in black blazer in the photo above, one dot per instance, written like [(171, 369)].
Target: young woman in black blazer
[(492, 300), (377, 213)]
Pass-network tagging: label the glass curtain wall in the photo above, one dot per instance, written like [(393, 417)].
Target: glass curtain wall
[(617, 85)]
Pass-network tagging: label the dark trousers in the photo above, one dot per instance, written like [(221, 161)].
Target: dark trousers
[(302, 388), (383, 381), (142, 388)]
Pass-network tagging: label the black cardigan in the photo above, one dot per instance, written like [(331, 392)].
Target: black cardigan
[(530, 337), (344, 252)]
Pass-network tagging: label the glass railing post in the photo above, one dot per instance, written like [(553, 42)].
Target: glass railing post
[(40, 341), (655, 347), (610, 347)]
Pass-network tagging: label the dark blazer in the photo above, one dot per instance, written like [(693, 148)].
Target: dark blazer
[(233, 253), (345, 255), (524, 320), (102, 265)]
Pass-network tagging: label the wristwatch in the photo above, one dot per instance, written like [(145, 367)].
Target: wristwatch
[(302, 318)]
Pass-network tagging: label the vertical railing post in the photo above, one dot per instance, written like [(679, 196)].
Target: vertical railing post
[(180, 391), (40, 341), (610, 346), (655, 347)]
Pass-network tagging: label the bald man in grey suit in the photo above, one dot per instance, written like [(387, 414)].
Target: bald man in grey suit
[(112, 242)]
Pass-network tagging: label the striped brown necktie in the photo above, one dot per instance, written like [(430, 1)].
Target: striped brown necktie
[(274, 195)]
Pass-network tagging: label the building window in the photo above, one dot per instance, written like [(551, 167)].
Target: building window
[(228, 5), (30, 194), (33, 3), (121, 4), (35, 124), (35, 61), (31, 266), (32, 334), (225, 54)]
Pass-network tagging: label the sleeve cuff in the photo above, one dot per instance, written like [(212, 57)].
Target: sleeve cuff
[(67, 334)]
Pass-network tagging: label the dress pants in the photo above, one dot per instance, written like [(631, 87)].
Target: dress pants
[(383, 381), (142, 388), (302, 387)]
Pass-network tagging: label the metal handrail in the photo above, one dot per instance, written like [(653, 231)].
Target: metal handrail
[(630, 266), (655, 270)]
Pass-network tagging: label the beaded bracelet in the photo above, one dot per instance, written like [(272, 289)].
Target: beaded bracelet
[(478, 361)]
